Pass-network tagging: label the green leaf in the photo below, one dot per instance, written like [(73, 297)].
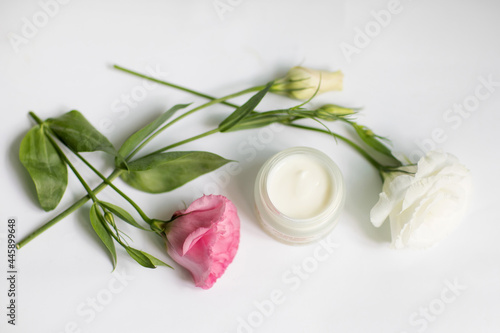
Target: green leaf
[(258, 120), (135, 139), (145, 259), (78, 134), (98, 223), (164, 172), (244, 110), (122, 214), (46, 168)]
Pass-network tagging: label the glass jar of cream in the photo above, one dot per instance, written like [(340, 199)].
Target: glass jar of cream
[(299, 194)]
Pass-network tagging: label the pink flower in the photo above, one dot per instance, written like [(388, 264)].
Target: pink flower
[(204, 238)]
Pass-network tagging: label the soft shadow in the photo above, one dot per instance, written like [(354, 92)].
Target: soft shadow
[(21, 173), (245, 182), (362, 194)]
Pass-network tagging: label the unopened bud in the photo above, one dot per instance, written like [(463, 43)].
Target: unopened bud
[(332, 112), (109, 218), (302, 83)]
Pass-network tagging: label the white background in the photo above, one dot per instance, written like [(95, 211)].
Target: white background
[(430, 56)]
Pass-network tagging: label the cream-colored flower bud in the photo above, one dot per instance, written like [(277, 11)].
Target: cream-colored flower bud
[(301, 82), (332, 112)]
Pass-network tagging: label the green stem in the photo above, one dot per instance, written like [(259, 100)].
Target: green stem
[(116, 189), (171, 85), (115, 236), (35, 117), (115, 174), (212, 102), (356, 127), (72, 167), (65, 158), (199, 136), (87, 188), (360, 150)]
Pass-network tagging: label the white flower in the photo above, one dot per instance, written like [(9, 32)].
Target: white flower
[(424, 206), (301, 82)]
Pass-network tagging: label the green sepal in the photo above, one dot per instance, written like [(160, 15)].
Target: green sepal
[(373, 141)]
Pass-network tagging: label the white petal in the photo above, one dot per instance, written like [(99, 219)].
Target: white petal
[(397, 186), (381, 210), (416, 191), (430, 163), (398, 223)]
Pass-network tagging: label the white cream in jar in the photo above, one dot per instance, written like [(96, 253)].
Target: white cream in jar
[(299, 194)]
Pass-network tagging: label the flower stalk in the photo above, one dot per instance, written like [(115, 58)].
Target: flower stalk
[(106, 181), (329, 112), (116, 189), (351, 143), (196, 240), (169, 84), (286, 116), (115, 174)]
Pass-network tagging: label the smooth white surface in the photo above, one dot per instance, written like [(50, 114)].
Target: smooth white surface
[(415, 77), (300, 186)]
